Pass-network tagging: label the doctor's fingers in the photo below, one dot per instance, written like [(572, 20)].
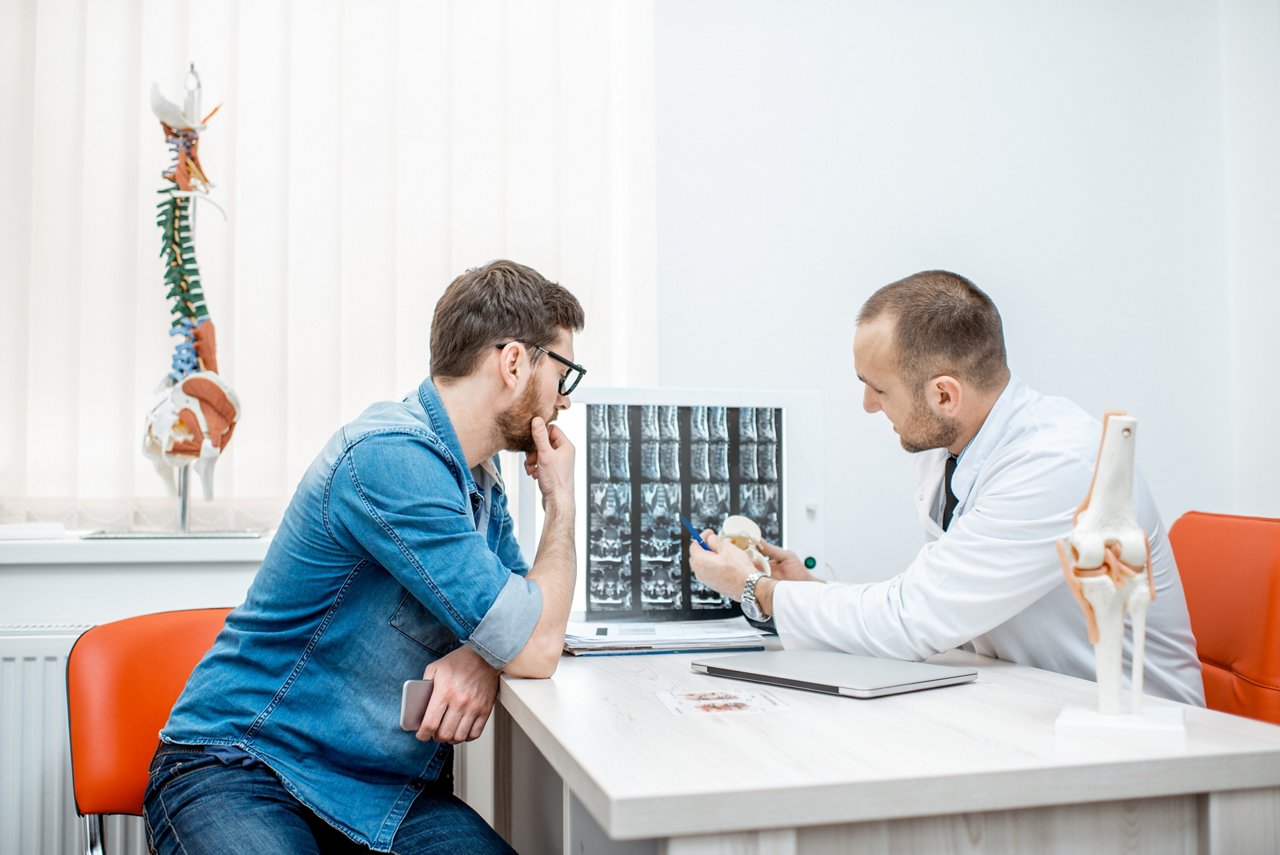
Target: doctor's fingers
[(700, 558), (711, 569), (699, 563), (774, 553)]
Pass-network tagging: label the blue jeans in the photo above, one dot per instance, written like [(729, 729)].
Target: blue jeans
[(197, 802)]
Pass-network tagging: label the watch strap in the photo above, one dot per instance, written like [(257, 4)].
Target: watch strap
[(749, 601)]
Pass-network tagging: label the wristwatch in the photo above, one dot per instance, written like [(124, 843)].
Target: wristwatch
[(750, 607)]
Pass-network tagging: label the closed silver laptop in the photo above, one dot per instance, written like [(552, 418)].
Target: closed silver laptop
[(834, 673)]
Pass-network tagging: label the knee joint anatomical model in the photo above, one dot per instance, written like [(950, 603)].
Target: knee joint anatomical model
[(1107, 562)]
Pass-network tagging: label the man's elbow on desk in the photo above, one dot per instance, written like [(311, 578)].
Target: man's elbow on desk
[(540, 656)]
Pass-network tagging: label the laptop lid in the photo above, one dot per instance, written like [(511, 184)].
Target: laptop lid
[(834, 673)]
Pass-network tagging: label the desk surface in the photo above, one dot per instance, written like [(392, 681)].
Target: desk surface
[(989, 745)]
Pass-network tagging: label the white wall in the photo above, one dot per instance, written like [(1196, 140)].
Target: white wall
[(1068, 157), (1251, 88)]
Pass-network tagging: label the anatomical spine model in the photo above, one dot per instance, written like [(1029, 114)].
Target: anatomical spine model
[(196, 411), (1109, 564)]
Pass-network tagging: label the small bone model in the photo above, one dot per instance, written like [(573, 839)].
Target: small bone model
[(1109, 565), (743, 533)]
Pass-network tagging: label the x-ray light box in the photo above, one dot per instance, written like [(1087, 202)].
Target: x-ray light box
[(647, 457)]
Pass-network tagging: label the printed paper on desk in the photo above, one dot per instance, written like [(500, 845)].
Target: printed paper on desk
[(694, 702), (696, 630), (698, 635)]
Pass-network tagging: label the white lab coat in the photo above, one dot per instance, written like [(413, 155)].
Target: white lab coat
[(992, 582)]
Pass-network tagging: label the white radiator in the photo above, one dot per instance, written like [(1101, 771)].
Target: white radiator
[(37, 811)]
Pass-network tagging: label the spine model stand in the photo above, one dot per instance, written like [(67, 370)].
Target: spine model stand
[(196, 411), (1107, 562)]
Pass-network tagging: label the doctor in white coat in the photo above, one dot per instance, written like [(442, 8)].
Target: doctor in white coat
[(1000, 471)]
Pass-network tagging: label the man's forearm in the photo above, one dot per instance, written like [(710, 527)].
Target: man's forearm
[(555, 564), (554, 568)]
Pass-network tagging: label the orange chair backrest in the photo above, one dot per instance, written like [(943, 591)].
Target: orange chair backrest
[(122, 681), (1230, 569)]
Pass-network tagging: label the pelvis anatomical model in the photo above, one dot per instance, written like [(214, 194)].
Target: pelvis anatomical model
[(191, 423), (743, 533), (1109, 567)]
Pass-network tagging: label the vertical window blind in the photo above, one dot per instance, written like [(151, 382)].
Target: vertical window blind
[(366, 152)]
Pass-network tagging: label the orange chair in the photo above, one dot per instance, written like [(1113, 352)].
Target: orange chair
[(122, 680), (1230, 570)]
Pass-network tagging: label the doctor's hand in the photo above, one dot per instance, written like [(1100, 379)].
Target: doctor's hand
[(725, 569), (785, 565), (461, 698)]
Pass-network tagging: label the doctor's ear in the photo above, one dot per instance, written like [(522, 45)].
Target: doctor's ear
[(944, 395)]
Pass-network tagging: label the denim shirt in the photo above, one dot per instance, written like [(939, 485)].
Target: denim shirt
[(388, 557)]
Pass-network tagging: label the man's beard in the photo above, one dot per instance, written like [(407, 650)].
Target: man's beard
[(925, 430), (515, 423)]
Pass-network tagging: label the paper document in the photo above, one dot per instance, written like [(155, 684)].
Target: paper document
[(662, 636), (687, 702)]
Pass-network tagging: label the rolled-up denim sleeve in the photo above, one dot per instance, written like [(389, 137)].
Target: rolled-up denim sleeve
[(505, 628), (394, 498)]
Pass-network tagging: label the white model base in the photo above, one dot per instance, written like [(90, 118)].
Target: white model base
[(1151, 723)]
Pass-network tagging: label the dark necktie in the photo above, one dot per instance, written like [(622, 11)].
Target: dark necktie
[(949, 507)]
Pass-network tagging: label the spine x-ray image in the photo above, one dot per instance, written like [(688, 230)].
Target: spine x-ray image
[(648, 465)]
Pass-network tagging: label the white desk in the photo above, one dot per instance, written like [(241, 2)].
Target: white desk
[(596, 764)]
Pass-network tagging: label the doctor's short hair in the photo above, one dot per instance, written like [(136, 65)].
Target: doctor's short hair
[(943, 324), (500, 302)]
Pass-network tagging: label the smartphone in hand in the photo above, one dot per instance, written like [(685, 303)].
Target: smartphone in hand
[(413, 703)]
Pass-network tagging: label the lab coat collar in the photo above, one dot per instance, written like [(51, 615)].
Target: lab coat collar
[(992, 434), (931, 464), (929, 473)]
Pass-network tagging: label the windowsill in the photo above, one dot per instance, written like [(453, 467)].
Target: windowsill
[(71, 549)]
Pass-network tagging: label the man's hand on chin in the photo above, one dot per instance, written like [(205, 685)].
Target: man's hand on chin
[(461, 697)]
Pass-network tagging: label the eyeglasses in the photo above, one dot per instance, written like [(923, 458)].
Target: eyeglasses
[(571, 377)]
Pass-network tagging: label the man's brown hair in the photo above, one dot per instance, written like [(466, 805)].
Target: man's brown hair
[(502, 301), (942, 324)]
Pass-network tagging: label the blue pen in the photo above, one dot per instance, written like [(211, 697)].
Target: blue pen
[(695, 534)]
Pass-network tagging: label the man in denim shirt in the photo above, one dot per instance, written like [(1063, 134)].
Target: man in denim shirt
[(395, 559)]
